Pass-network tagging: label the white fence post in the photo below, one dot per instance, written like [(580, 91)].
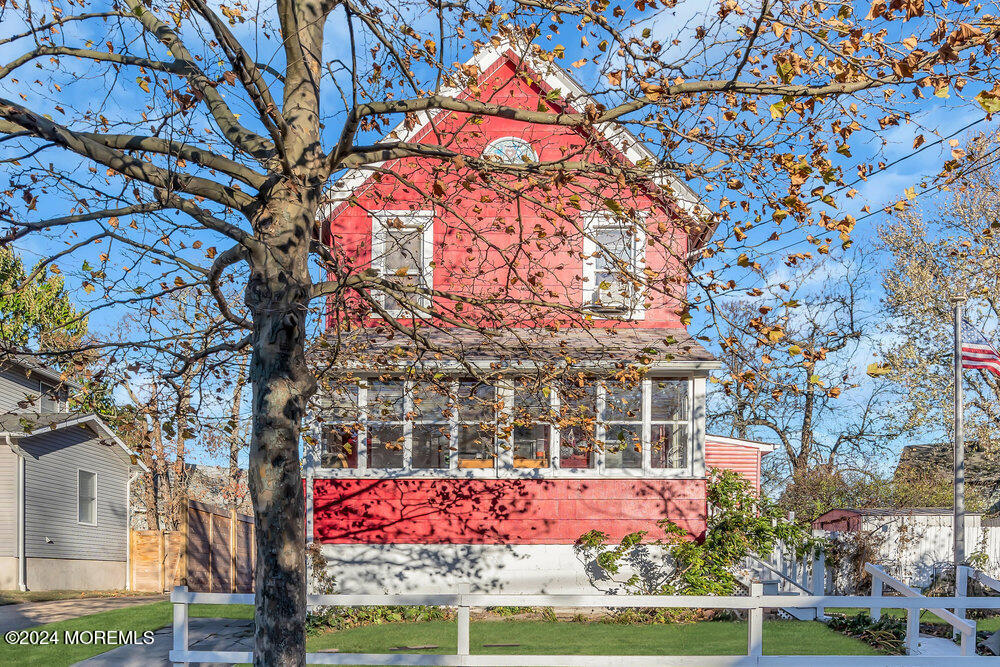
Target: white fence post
[(755, 623), (969, 640), (961, 588), (463, 618), (876, 612), (819, 580), (181, 623), (912, 630)]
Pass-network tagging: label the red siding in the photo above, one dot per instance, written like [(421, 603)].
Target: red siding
[(500, 511), (743, 459), (473, 227)]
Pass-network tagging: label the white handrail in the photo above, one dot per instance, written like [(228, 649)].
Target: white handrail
[(755, 603), (984, 579), (786, 578), (966, 627)]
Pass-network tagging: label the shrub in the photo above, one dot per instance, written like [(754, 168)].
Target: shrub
[(740, 523)]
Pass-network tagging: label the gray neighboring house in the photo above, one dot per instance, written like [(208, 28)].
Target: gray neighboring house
[(65, 486)]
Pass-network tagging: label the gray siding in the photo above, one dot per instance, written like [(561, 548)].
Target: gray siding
[(51, 493), (8, 502), (14, 385)]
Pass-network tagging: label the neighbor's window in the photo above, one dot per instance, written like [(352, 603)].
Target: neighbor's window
[(577, 421), (431, 417), (613, 263), (49, 399), (669, 417), (402, 250), (531, 415), (386, 424), (340, 433), (86, 484), (621, 420), (476, 404)]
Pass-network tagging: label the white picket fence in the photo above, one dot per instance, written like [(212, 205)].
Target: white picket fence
[(754, 604)]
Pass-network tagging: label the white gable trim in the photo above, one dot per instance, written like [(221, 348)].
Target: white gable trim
[(555, 77), (96, 424)]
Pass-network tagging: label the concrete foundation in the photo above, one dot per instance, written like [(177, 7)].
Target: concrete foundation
[(50, 574), (8, 573), (488, 568)]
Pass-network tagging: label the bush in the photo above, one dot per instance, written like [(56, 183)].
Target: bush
[(740, 523)]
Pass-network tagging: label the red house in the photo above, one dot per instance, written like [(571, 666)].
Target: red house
[(424, 473)]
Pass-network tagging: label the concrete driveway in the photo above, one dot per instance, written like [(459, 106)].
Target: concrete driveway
[(29, 614)]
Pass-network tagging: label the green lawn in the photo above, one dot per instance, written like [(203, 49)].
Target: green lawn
[(988, 624), (17, 597), (571, 638), (138, 618)]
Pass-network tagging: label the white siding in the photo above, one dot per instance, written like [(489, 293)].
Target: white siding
[(52, 530)]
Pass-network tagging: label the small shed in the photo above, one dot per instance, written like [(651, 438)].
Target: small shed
[(913, 544)]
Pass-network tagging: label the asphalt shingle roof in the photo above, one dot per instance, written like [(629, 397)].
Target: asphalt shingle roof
[(644, 346)]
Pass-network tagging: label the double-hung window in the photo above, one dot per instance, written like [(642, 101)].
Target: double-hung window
[(402, 253), (614, 259)]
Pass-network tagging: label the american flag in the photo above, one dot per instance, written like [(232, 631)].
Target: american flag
[(977, 352)]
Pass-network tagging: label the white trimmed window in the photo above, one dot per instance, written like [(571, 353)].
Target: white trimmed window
[(457, 427), (403, 252), (86, 494), (614, 259), (670, 423)]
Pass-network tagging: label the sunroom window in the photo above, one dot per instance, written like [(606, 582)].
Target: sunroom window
[(431, 415), (386, 424), (577, 422), (531, 416), (340, 432), (669, 423), (621, 420), (477, 426), (402, 253), (585, 426)]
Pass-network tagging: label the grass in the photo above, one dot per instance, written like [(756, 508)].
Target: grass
[(139, 618), (569, 638), (17, 597), (572, 638), (991, 624)]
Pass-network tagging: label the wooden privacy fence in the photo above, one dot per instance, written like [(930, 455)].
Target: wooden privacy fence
[(212, 552)]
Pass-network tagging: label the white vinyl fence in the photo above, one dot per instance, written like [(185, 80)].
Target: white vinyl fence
[(754, 604)]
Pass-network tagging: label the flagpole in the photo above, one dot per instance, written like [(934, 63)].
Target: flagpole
[(958, 525)]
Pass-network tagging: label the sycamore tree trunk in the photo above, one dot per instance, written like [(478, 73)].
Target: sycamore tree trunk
[(278, 296)]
